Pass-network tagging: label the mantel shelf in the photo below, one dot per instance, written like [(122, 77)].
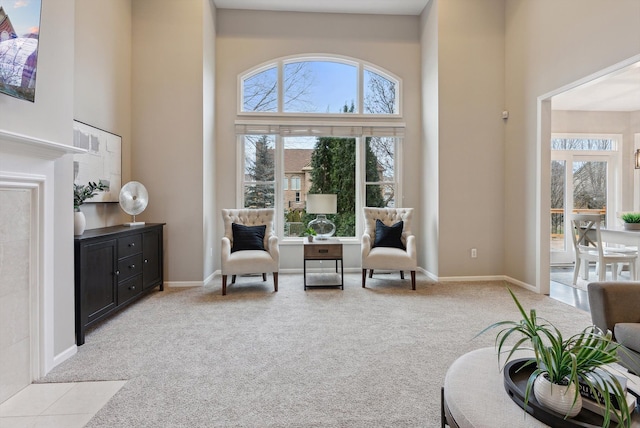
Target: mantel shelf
[(24, 145)]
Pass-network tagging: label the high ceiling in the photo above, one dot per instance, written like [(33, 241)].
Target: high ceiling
[(618, 92), (383, 7)]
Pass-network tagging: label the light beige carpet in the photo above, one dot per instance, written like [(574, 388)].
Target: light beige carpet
[(373, 357)]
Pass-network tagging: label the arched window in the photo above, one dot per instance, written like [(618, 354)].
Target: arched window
[(319, 124), (319, 85)]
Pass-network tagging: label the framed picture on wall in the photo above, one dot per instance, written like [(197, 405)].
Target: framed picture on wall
[(19, 39), (102, 162)]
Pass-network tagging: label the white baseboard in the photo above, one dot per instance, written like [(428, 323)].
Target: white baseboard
[(428, 274), (64, 355), (178, 284)]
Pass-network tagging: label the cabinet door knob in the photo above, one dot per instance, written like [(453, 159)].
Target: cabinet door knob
[(146, 260), (133, 244), (117, 272), (132, 267), (133, 287)]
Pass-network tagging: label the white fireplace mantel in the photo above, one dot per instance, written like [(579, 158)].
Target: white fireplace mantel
[(18, 144), (28, 163)]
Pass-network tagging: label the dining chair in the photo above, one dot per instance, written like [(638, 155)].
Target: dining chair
[(589, 247)]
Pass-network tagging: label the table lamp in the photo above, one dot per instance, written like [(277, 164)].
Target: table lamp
[(322, 205)]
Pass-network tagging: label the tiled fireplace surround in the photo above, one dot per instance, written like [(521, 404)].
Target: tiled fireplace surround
[(26, 258)]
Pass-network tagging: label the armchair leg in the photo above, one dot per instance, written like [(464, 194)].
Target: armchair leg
[(370, 273), (364, 277), (413, 279), (264, 276), (233, 279), (224, 285), (401, 274), (275, 280)]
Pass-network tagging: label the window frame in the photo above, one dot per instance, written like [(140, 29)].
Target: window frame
[(281, 62), (279, 172), (358, 125)]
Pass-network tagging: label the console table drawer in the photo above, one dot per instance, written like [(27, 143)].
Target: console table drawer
[(129, 245), (129, 289), (322, 251), (129, 267)]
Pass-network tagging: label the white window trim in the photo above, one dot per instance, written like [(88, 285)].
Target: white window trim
[(279, 174), (614, 157), (356, 125)]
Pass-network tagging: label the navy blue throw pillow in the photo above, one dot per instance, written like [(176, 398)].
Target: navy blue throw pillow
[(389, 236), (248, 237)]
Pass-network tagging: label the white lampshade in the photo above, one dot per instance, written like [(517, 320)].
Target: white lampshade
[(322, 204)]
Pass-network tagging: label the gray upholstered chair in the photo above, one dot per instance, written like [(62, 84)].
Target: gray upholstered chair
[(615, 306), (252, 255), (388, 257)]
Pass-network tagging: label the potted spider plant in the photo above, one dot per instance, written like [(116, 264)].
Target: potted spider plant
[(631, 220), (561, 364)]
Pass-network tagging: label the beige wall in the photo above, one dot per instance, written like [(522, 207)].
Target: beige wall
[(248, 38), (102, 85), (168, 128), (428, 215), (580, 37), (469, 138), (211, 214)]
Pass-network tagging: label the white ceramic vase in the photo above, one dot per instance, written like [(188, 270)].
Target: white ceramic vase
[(558, 398), (79, 222)]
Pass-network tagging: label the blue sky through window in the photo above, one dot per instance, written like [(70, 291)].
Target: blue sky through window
[(331, 85), (320, 86)]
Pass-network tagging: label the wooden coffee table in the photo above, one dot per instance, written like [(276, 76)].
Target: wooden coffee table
[(327, 249)]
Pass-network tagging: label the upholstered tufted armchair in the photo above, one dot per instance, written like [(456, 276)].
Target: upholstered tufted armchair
[(388, 244), (255, 247)]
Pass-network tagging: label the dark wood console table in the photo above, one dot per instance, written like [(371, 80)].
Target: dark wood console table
[(114, 266)]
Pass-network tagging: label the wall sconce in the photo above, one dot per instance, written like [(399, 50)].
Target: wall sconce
[(637, 159)]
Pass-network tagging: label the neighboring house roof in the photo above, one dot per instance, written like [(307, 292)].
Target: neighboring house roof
[(5, 26), (295, 160)]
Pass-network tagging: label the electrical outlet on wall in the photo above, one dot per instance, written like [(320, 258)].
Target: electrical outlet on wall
[(474, 253)]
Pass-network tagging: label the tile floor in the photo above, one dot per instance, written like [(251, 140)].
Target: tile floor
[(57, 405)]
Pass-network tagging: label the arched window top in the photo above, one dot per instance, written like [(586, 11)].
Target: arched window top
[(319, 85)]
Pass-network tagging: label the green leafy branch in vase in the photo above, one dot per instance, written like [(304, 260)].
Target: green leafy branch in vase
[(82, 192)]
